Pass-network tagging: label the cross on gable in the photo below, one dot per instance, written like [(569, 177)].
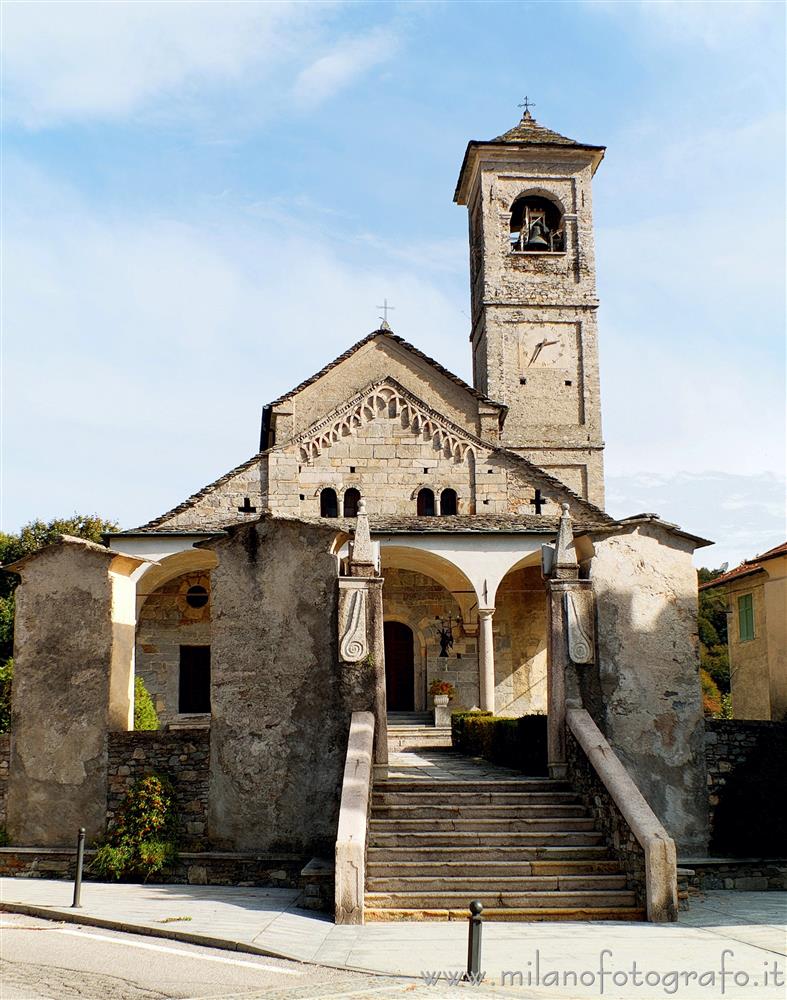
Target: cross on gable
[(538, 501), (247, 507)]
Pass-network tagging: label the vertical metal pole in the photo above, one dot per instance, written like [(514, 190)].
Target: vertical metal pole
[(474, 941), (80, 863)]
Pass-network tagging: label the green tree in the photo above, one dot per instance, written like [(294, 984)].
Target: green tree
[(712, 628), (145, 716), (33, 536)]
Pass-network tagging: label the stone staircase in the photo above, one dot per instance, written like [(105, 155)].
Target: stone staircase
[(446, 829), (409, 730)]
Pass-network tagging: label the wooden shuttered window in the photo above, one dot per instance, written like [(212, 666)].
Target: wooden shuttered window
[(745, 617)]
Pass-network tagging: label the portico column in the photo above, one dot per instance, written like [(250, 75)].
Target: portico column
[(486, 659)]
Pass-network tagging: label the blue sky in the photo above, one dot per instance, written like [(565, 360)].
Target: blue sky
[(204, 203)]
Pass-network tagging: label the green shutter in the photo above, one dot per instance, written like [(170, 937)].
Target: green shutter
[(745, 617)]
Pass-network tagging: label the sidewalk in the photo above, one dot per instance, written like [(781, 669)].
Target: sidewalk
[(266, 921)]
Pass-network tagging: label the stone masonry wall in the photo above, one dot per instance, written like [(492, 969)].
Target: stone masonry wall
[(609, 818), (167, 622), (519, 627), (5, 755), (389, 457), (279, 723), (745, 764), (183, 756), (648, 671)]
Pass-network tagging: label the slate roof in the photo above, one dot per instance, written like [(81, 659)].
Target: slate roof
[(747, 568), (389, 335), (151, 526), (502, 524), (529, 131)]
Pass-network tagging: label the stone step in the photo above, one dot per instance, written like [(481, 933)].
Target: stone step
[(402, 867), (470, 851), (405, 718), (483, 838), (404, 738), (502, 810), (464, 800), (505, 883), (517, 914), (471, 785), (495, 824), (450, 900)]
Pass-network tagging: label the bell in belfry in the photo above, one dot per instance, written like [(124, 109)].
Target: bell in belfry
[(538, 234)]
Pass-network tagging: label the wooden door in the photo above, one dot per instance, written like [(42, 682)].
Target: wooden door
[(399, 667)]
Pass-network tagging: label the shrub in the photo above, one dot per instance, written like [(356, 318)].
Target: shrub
[(141, 841), (711, 696), (6, 676), (5, 840), (517, 743), (145, 717)]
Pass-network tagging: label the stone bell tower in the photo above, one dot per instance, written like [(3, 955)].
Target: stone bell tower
[(533, 293)]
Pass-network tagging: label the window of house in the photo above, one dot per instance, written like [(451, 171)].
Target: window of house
[(197, 596), (351, 498), (426, 502), (194, 685), (329, 503), (536, 226), (448, 502), (745, 617)]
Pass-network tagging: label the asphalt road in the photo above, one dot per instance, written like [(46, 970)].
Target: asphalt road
[(46, 960)]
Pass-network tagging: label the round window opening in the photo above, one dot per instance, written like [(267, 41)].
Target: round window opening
[(196, 597)]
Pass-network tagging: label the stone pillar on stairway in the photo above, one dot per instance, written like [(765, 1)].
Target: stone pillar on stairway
[(486, 659), (570, 640)]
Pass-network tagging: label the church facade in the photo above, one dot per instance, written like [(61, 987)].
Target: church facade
[(490, 560)]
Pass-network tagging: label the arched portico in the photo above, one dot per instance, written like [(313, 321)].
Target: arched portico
[(474, 568)]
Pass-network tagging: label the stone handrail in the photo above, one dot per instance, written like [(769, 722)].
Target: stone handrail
[(353, 820), (658, 848)]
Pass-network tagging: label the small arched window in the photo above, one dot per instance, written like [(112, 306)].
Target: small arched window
[(351, 498), (329, 504), (448, 502), (425, 502), (536, 226)]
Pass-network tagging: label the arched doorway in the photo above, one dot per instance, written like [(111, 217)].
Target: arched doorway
[(399, 667)]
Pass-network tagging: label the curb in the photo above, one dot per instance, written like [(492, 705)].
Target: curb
[(224, 944)]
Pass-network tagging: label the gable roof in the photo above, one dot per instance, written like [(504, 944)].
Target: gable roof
[(747, 568), (391, 336)]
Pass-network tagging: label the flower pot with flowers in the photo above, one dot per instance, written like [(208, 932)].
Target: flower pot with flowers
[(442, 692)]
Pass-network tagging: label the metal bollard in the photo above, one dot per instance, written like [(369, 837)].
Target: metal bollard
[(474, 941), (80, 863)]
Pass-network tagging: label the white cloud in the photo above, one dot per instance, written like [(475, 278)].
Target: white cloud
[(74, 61), (743, 514), (716, 25), (139, 350), (347, 60)]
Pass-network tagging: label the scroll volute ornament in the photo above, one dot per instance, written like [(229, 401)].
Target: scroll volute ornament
[(354, 647), (579, 625)]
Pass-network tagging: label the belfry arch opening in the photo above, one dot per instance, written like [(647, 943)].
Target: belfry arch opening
[(536, 226)]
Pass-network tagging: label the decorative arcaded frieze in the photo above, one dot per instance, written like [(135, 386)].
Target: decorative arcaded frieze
[(388, 399)]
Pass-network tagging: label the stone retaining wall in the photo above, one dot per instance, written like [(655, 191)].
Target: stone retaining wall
[(5, 756), (609, 818), (741, 874), (289, 871), (183, 756), (745, 762)]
